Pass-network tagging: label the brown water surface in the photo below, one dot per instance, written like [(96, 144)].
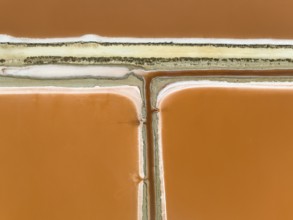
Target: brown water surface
[(228, 153), (148, 18), (65, 156)]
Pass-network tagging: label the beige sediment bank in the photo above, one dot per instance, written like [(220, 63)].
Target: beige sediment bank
[(149, 54)]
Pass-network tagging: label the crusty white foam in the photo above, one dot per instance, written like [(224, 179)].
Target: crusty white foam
[(64, 71), (179, 86), (97, 38)]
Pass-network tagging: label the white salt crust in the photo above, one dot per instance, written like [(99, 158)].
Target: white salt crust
[(97, 38), (64, 71), (179, 86)]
